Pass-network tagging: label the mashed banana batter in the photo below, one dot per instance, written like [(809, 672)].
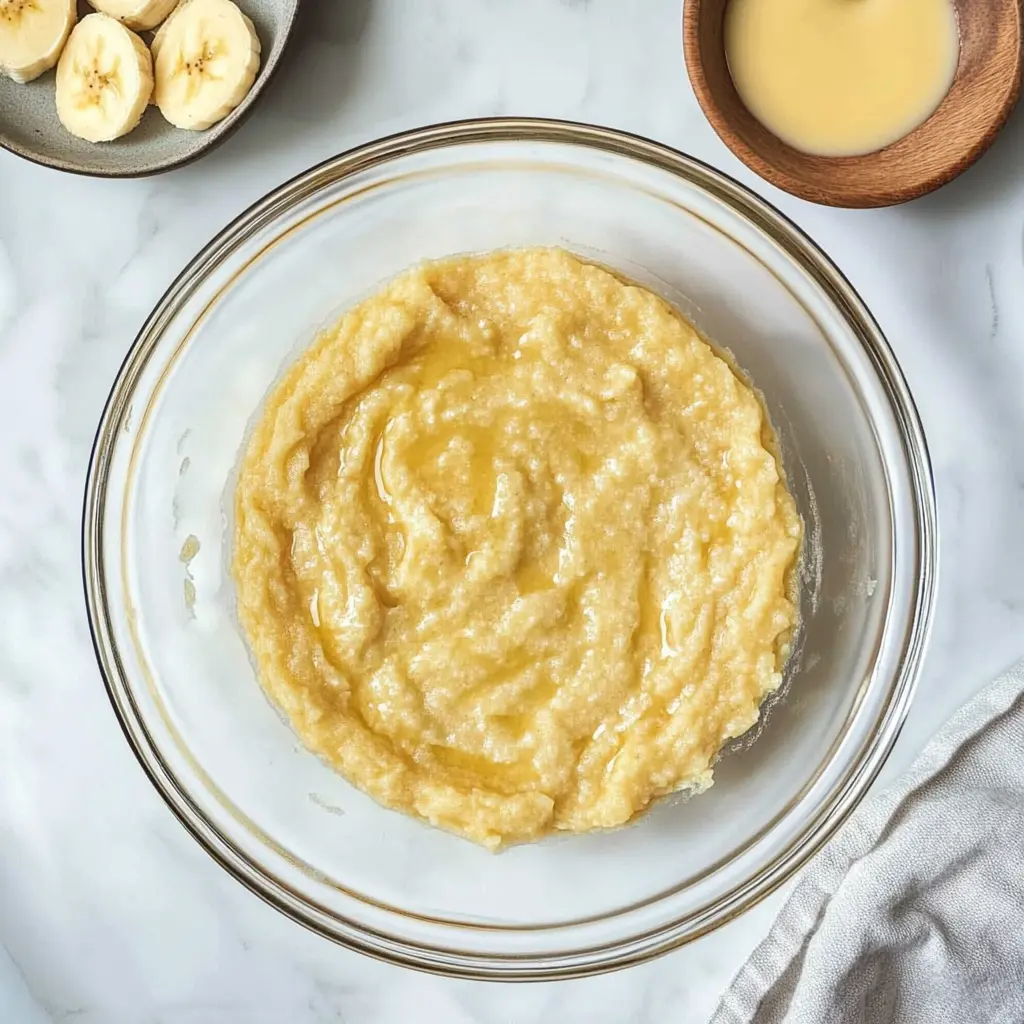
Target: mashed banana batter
[(513, 551)]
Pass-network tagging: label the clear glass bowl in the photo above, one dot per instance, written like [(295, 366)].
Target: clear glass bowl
[(178, 671)]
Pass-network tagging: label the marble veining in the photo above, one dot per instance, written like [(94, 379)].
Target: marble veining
[(109, 912)]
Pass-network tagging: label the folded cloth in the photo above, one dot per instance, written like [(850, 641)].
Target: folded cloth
[(915, 911)]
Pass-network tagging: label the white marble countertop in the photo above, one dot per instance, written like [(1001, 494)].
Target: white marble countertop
[(109, 912)]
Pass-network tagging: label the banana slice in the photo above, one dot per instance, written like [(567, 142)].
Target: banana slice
[(136, 14), (154, 44), (158, 35), (32, 34), (104, 79), (207, 57)]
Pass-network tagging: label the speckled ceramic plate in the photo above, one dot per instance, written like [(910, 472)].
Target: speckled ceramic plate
[(29, 125)]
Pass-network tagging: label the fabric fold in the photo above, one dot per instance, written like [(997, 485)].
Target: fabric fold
[(915, 911)]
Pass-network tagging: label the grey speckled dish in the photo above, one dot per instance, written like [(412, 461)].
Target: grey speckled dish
[(30, 128)]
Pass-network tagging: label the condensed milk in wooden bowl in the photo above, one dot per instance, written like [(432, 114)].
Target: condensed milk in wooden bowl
[(855, 103)]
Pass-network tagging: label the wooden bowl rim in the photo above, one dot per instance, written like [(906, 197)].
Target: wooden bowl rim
[(837, 193)]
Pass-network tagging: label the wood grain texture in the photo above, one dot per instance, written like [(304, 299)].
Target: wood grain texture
[(984, 92)]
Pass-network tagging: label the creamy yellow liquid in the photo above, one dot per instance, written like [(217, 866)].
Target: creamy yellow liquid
[(841, 77)]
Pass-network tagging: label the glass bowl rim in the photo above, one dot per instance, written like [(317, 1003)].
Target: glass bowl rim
[(869, 759)]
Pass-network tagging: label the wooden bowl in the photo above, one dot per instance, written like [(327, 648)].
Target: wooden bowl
[(984, 91)]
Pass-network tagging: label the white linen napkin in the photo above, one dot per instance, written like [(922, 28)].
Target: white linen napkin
[(915, 911)]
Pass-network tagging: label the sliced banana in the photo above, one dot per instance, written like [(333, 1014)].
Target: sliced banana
[(32, 34), (104, 79), (136, 14), (207, 56), (154, 45), (158, 35)]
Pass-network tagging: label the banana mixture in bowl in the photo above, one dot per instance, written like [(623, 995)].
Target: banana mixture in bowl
[(513, 549), (423, 522)]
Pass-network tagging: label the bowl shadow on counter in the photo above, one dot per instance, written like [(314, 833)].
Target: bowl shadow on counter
[(319, 70)]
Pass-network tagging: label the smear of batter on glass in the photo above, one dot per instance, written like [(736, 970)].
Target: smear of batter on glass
[(189, 550)]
